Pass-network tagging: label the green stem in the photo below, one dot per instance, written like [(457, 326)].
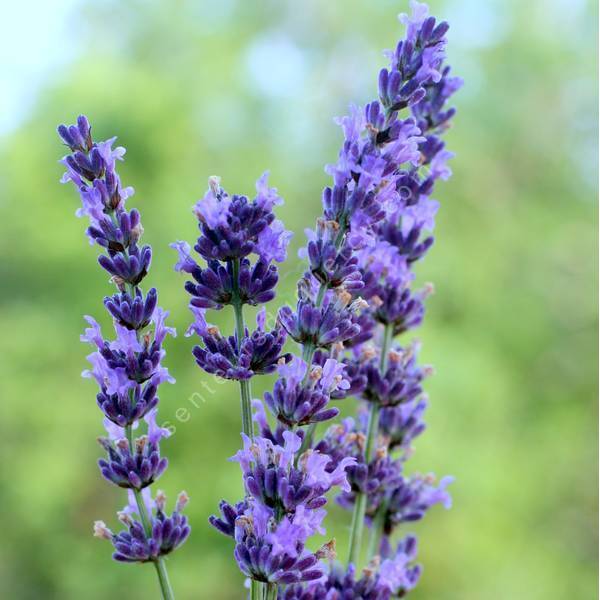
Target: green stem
[(256, 590), (320, 295), (388, 331), (271, 591), (163, 578), (356, 527), (371, 430), (360, 505), (246, 401), (376, 532), (143, 513), (240, 330)]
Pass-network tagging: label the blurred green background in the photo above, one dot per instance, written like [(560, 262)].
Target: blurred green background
[(197, 88)]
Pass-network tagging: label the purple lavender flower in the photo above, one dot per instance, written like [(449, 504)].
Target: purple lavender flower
[(232, 228), (349, 370), (274, 553), (331, 266), (132, 313), (321, 326), (258, 353), (370, 478), (401, 381), (127, 470), (410, 500), (128, 368), (380, 207), (129, 405), (402, 309), (138, 467), (273, 434), (282, 510), (272, 478), (294, 403), (394, 578), (214, 286), (229, 515), (265, 549), (401, 424), (135, 544)]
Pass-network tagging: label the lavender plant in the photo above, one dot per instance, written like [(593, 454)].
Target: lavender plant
[(128, 368), (391, 164), (354, 300)]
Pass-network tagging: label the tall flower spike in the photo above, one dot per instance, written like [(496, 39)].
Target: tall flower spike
[(234, 232), (128, 368), (387, 248), (354, 298), (377, 220)]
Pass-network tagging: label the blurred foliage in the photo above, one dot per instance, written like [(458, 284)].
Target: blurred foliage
[(195, 88)]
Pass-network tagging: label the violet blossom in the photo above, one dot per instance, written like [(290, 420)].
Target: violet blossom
[(239, 240), (354, 298), (381, 207), (128, 369)]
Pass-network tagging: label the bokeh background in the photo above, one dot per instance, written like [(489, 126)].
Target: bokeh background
[(233, 87)]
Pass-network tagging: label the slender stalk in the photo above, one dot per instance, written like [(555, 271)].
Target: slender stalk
[(371, 430), (245, 393), (360, 505), (388, 330), (159, 563), (308, 351), (256, 590), (356, 527), (271, 591), (376, 532), (246, 402), (163, 578)]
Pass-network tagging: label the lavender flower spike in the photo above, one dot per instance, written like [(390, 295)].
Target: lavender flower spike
[(282, 509), (239, 240), (128, 369), (388, 227), (355, 297)]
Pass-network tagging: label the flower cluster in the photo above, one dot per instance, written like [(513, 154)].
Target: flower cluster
[(393, 577), (354, 299), (300, 397), (128, 369), (232, 230), (286, 490), (134, 544), (285, 485), (382, 478), (257, 353)]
